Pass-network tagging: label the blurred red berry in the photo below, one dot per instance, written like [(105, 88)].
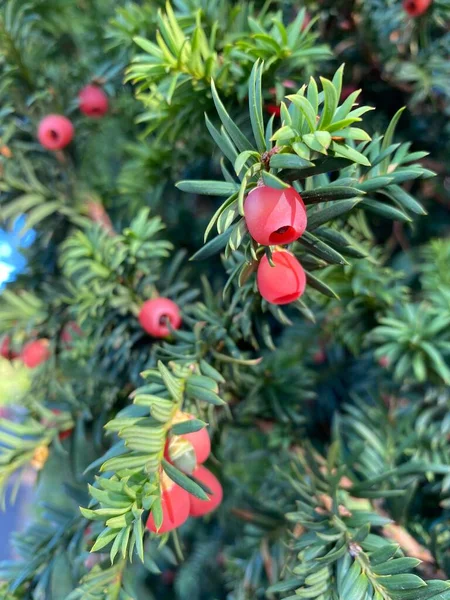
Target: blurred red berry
[(55, 132), (175, 508), (155, 315), (203, 507), (306, 21), (347, 90), (275, 216), (319, 357), (5, 349), (93, 101), (415, 8), (168, 576), (283, 283), (67, 332), (384, 362), (34, 353), (273, 109)]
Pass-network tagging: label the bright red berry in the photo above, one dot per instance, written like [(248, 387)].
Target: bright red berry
[(203, 507), (283, 283), (275, 216), (273, 109), (175, 508), (201, 443), (415, 8), (93, 101), (55, 132), (155, 315), (71, 328), (34, 353)]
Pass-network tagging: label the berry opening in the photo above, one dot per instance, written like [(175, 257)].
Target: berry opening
[(54, 135), (286, 299), (411, 5), (165, 320), (283, 235)]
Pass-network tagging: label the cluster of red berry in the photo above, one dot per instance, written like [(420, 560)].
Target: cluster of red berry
[(274, 217), (37, 351), (177, 504), (56, 131)]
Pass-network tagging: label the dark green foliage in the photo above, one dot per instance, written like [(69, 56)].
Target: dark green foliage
[(328, 417)]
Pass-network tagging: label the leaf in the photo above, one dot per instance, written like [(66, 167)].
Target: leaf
[(320, 249), (241, 141), (331, 211), (305, 107), (208, 188), (289, 161), (213, 246), (349, 153), (255, 105), (188, 426), (330, 103), (273, 181), (389, 136), (184, 481), (330, 193), (384, 210), (320, 286)]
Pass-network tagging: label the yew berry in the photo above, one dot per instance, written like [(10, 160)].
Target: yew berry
[(93, 101), (273, 109), (5, 349), (188, 450), (34, 353), (282, 283), (175, 503), (203, 507), (201, 443), (384, 362), (274, 216), (415, 8), (68, 331), (155, 315), (55, 132)]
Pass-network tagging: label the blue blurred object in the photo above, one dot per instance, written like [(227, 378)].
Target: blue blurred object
[(12, 262)]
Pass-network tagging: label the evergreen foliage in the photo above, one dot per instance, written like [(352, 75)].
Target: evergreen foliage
[(328, 416)]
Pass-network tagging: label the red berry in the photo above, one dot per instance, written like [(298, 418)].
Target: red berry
[(347, 90), (175, 508), (5, 349), (415, 8), (273, 109), (69, 329), (201, 443), (283, 283), (155, 314), (384, 362), (275, 216), (319, 357), (55, 132), (203, 507), (34, 353), (93, 101)]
